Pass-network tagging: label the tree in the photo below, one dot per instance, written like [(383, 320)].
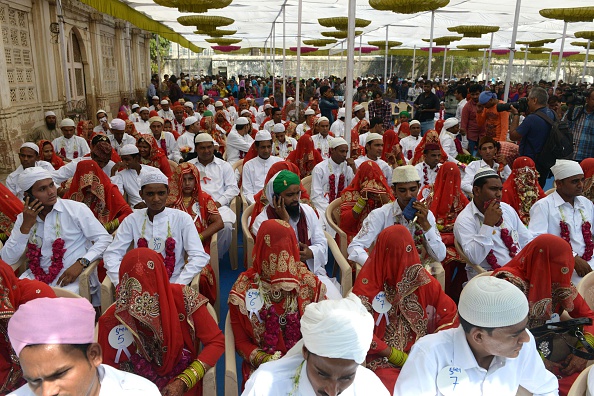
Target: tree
[(162, 49)]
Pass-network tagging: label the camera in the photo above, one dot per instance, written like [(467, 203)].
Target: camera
[(521, 105), (573, 97)]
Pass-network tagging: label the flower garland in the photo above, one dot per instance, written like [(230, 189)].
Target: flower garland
[(508, 241), (34, 256), (273, 321), (145, 368), (586, 233), (163, 144), (63, 149), (276, 148), (332, 180), (169, 259)]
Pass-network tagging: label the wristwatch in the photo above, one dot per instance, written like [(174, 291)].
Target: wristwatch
[(84, 262)]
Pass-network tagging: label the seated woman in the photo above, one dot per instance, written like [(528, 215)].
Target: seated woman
[(91, 186), (392, 152), (305, 156), (430, 137), (521, 189), (411, 302), (15, 292), (542, 270), (151, 154), (186, 194), (362, 127), (163, 325), (368, 190), (48, 154), (84, 129), (588, 168), (267, 331), (10, 207), (446, 200)]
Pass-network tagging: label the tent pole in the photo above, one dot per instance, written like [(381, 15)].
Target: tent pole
[(525, 62), (386, 62), (348, 94), (273, 57), (413, 65), (484, 63), (549, 68), (360, 46), (445, 55), (512, 50), (490, 56), (284, 83), (431, 45), (452, 68), (586, 60), (159, 64), (560, 57), (298, 71)]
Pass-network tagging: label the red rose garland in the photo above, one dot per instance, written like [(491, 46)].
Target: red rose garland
[(332, 181), (164, 145), (508, 241), (169, 259), (586, 234), (34, 257), (273, 329)]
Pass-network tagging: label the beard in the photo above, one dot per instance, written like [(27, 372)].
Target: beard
[(50, 126), (293, 211)]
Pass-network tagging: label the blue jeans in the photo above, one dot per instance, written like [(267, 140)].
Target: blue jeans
[(426, 126), (472, 146)]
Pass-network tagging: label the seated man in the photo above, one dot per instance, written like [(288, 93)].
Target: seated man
[(69, 146), (100, 153), (374, 146), (430, 165), (405, 185), (489, 151), (49, 334), (337, 127), (306, 126), (321, 137), (327, 361), (284, 188), (28, 154), (185, 142), (491, 353), (565, 213), (282, 145), (165, 140), (255, 170), (489, 231), (276, 117), (375, 126), (118, 137), (170, 232), (47, 131), (410, 143), (166, 112), (239, 140), (217, 180), (61, 237), (143, 126), (127, 175)]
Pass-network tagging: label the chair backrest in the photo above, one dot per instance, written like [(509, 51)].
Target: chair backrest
[(247, 234), (394, 112), (580, 385), (479, 270), (214, 263), (346, 272), (238, 165), (586, 289), (306, 181), (333, 218), (231, 388), (173, 165), (64, 293)]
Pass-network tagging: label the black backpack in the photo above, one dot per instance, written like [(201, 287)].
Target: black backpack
[(559, 143)]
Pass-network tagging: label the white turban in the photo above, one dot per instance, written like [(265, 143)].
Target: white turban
[(335, 142), (153, 176), (338, 329), (129, 149), (262, 136), (450, 122), (49, 114), (278, 128), (566, 168), (67, 122), (31, 175), (405, 174), (30, 145), (189, 104), (358, 107), (118, 124), (341, 112)]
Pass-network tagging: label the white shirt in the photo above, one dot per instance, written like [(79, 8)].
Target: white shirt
[(277, 378), (268, 126), (178, 127), (12, 180), (128, 182), (322, 144), (282, 150), (237, 145), (337, 128), (449, 146), (302, 128), (143, 127), (363, 138), (384, 217), (186, 140), (134, 116), (254, 174), (83, 234), (172, 149), (422, 167), (218, 180), (409, 144), (182, 229), (99, 128), (545, 218), (474, 167), (67, 171), (320, 183), (113, 382), (126, 139), (75, 143), (167, 114), (384, 166), (433, 352), (461, 105), (477, 239), (260, 117)]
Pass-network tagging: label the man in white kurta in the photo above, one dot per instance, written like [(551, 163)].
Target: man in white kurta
[(374, 145), (143, 125), (239, 140), (447, 137), (185, 142), (118, 137), (479, 226), (410, 143), (102, 124), (332, 329), (128, 175), (218, 180), (69, 146), (165, 140), (359, 113), (166, 113), (255, 170), (156, 223), (487, 148), (405, 187), (337, 127), (566, 204), (453, 362), (48, 219), (276, 115), (28, 154), (282, 145), (305, 125), (430, 166), (101, 154), (322, 138)]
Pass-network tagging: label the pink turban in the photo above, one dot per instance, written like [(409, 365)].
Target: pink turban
[(50, 321)]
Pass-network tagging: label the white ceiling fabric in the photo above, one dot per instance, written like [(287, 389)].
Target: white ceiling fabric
[(253, 21)]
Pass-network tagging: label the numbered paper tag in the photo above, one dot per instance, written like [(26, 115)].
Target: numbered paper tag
[(515, 236), (452, 380), (157, 244), (120, 338), (253, 302), (381, 305), (196, 208)]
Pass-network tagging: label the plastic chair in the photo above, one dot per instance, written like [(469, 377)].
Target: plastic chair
[(580, 385), (586, 289), (332, 217), (231, 385), (173, 165), (306, 182), (209, 381), (479, 270), (247, 235), (64, 293), (84, 280), (214, 263), (236, 205), (346, 272), (436, 270)]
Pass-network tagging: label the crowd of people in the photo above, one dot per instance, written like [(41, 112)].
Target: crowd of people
[(456, 250)]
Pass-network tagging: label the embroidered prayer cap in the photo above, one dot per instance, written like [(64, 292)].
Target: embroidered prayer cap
[(190, 120), (405, 174), (164, 102), (488, 139), (207, 113), (49, 114), (278, 128), (341, 113), (432, 146), (100, 138), (484, 172), (203, 137), (335, 142), (152, 176), (566, 168), (262, 136), (155, 97), (373, 136), (405, 114), (189, 104), (487, 301), (450, 122), (414, 122), (67, 122), (267, 106), (101, 111), (358, 107), (309, 112), (118, 124), (30, 145), (218, 103), (135, 106), (322, 119), (338, 329), (242, 120), (30, 175), (283, 180), (129, 149), (246, 111), (143, 109), (156, 119), (486, 96), (52, 321), (204, 97)]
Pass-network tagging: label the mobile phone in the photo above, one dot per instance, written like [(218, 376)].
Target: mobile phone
[(103, 119), (30, 196), (409, 212)]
